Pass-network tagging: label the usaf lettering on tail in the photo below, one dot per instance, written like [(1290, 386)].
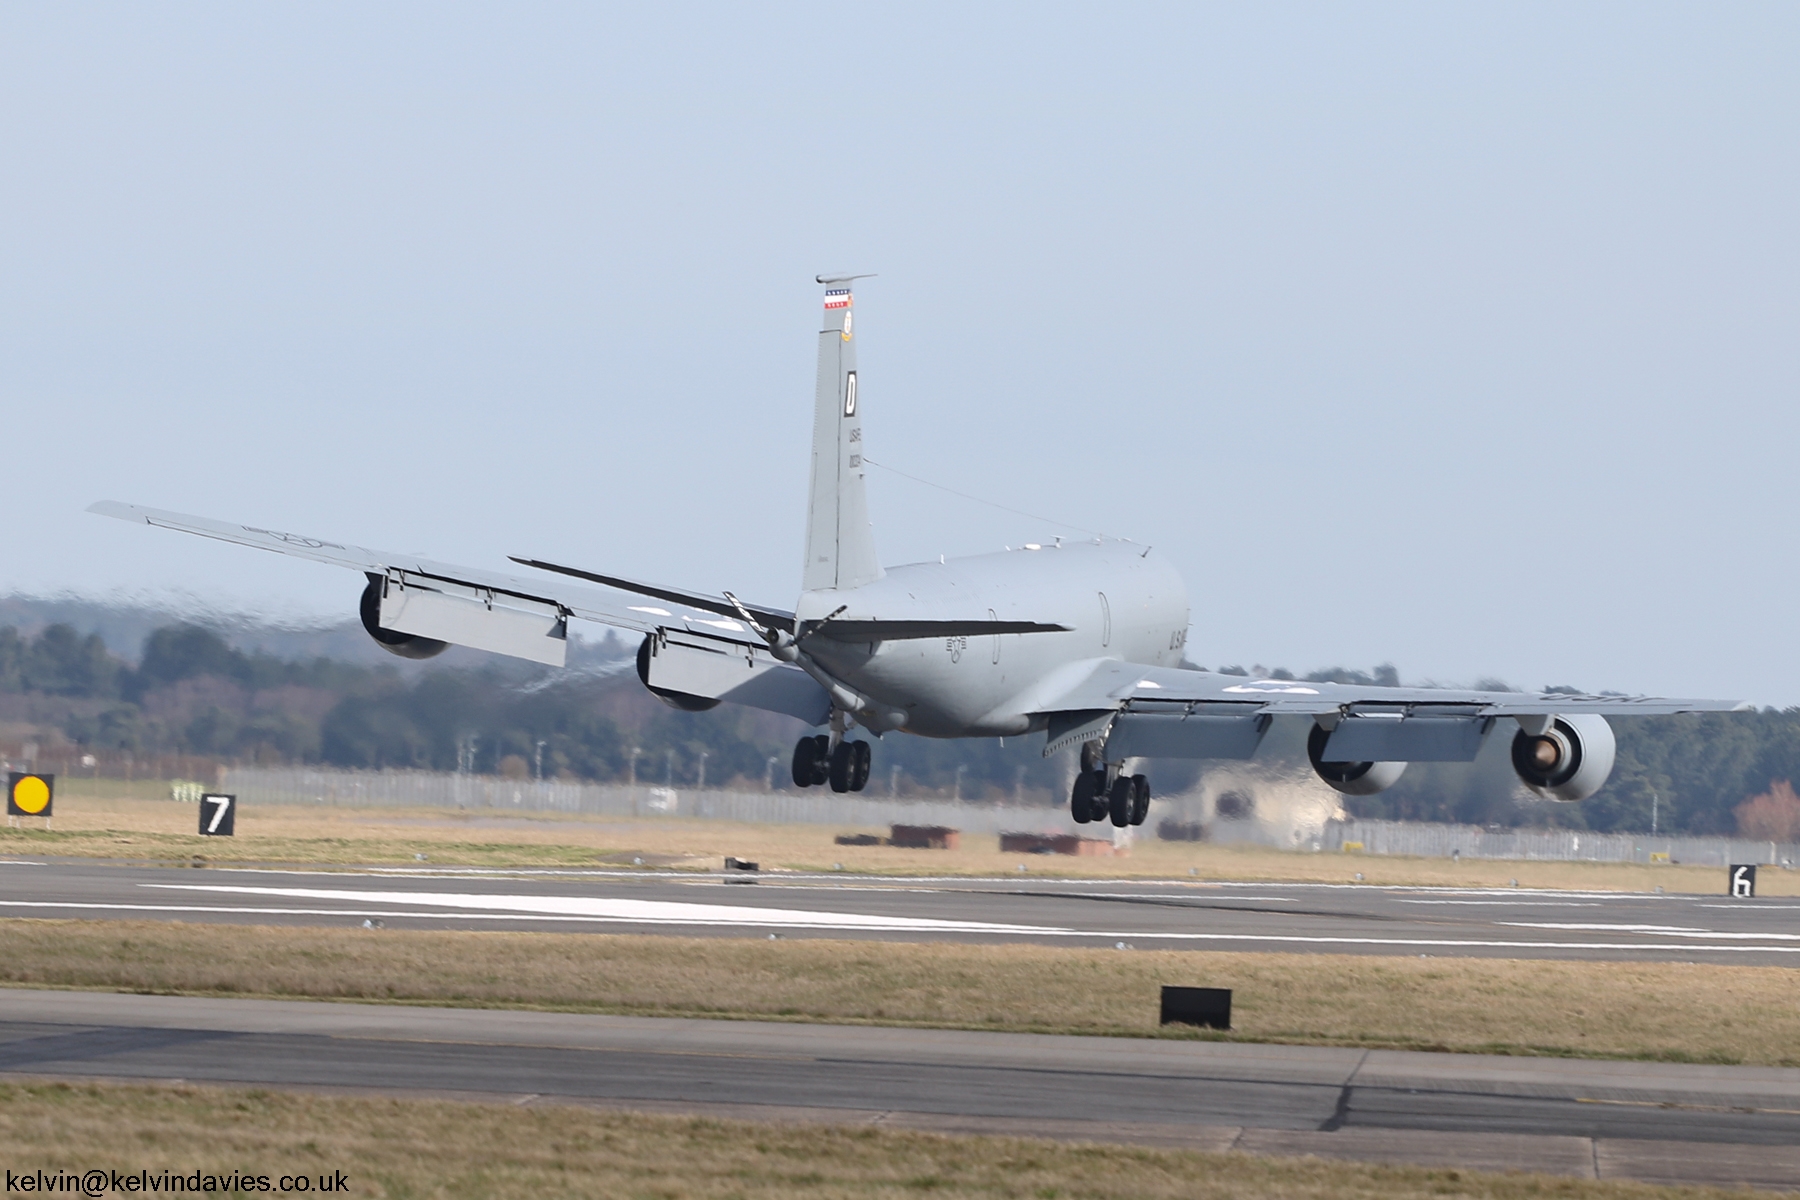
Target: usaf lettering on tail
[(1086, 646)]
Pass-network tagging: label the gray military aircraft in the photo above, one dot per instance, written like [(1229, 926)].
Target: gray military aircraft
[(1082, 641)]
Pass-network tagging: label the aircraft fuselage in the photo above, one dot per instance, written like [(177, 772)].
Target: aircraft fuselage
[(1120, 601)]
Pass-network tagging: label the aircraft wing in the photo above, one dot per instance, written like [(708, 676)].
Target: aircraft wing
[(1171, 707), (465, 605)]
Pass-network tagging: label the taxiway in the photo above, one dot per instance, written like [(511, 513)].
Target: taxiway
[(1652, 1121)]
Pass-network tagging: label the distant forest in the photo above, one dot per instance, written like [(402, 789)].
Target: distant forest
[(192, 692)]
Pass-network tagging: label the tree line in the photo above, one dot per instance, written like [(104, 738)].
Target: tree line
[(192, 692)]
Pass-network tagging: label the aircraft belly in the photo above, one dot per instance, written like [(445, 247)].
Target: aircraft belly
[(944, 690), (948, 692)]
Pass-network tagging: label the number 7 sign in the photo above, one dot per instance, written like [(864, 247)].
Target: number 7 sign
[(217, 815)]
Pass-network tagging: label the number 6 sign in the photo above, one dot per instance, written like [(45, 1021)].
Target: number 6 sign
[(217, 815)]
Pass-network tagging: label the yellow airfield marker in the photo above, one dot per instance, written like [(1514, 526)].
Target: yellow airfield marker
[(29, 794)]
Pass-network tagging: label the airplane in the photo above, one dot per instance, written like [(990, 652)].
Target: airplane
[(1082, 641)]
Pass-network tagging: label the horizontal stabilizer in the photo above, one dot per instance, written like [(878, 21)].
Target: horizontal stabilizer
[(898, 631), (774, 618)]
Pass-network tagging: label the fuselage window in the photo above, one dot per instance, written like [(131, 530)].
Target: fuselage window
[(1105, 621)]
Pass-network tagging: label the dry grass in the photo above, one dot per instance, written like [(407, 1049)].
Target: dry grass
[(423, 1148), (1666, 1011), (115, 820)]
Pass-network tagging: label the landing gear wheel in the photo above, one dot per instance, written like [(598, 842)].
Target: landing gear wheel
[(806, 754), (1120, 801), (1140, 799), (1081, 798), (860, 759), (841, 764), (821, 759)]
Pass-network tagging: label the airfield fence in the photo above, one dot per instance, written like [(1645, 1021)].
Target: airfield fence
[(493, 796), (1425, 840)]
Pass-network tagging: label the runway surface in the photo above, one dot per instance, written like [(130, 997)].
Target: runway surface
[(1181, 914), (1673, 1123)]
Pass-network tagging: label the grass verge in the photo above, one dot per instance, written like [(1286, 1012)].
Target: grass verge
[(1661, 1011), (408, 1148), (138, 827)]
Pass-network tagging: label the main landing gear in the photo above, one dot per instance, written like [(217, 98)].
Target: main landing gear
[(844, 766), (1102, 791)]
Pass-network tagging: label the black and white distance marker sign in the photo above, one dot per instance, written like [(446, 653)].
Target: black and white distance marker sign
[(218, 815), (1743, 881)]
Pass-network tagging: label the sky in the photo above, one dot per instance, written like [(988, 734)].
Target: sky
[(1461, 337)]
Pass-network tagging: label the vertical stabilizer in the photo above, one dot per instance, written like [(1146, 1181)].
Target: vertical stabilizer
[(840, 547)]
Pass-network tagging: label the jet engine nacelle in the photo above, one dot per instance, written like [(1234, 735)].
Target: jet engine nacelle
[(406, 645), (1569, 760), (1350, 778)]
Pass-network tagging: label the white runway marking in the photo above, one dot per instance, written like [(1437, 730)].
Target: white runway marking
[(966, 927), (1666, 930), (1167, 896), (1512, 903), (240, 910), (629, 911), (1739, 905)]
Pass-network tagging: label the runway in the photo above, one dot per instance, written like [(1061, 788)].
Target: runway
[(1661, 1122), (1653, 1121), (1179, 914)]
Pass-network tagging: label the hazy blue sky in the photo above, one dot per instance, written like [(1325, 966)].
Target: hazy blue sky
[(1459, 336)]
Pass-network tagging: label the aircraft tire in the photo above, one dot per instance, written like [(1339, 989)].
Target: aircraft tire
[(1120, 801), (842, 761), (1081, 798), (861, 758), (821, 759), (1140, 799), (804, 755)]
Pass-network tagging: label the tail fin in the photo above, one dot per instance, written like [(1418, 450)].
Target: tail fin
[(840, 547)]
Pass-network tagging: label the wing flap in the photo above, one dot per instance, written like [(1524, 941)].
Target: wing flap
[(1408, 739), (524, 629), (1179, 713), (715, 670), (1198, 735), (1169, 685)]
